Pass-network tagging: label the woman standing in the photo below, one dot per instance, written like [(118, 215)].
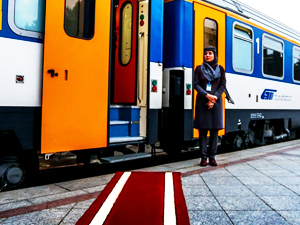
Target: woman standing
[(210, 83)]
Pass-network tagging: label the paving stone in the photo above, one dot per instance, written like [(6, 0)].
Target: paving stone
[(86, 182), (295, 188), (242, 203), (258, 181), (256, 217), (44, 217), (208, 203), (280, 173), (296, 172), (156, 169), (73, 216), (263, 190), (56, 197), (193, 180), (240, 166), (84, 204), (283, 202), (224, 190), (264, 164), (94, 189), (14, 205), (247, 173), (184, 170), (217, 173), (275, 157), (183, 164), (200, 190), (292, 217), (209, 217), (288, 180), (229, 181), (17, 195)]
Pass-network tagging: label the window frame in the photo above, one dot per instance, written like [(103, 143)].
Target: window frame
[(217, 35), (262, 56), (242, 38), (120, 33), (81, 38), (15, 28), (293, 56)]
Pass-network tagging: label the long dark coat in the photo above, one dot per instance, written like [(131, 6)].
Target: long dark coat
[(209, 118)]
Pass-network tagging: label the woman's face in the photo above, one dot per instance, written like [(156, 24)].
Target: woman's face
[(209, 56)]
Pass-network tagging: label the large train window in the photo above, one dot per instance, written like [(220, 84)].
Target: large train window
[(27, 18), (272, 56), (126, 33), (210, 33), (242, 48), (296, 63), (80, 18)]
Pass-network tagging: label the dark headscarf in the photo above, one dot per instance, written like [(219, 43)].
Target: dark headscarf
[(206, 67), (215, 61)]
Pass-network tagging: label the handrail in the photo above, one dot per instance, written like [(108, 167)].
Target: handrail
[(139, 70)]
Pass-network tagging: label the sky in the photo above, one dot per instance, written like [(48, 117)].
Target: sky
[(285, 11)]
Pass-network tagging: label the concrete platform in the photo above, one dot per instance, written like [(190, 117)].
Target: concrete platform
[(256, 186)]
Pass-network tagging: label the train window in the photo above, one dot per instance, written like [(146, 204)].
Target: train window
[(210, 33), (126, 33), (242, 48), (296, 63), (27, 18), (80, 18), (272, 57)]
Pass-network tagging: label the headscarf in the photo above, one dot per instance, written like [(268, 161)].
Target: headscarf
[(215, 61), (207, 70)]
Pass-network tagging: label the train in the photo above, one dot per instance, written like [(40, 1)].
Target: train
[(91, 77)]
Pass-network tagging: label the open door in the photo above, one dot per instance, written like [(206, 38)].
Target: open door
[(209, 31), (125, 52), (75, 75)]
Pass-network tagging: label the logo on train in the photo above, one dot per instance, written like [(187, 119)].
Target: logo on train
[(271, 94), (268, 94)]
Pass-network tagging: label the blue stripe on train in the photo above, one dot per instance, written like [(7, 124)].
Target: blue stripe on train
[(156, 31), (7, 32), (257, 72), (178, 34)]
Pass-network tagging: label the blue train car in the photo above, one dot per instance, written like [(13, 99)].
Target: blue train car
[(261, 61)]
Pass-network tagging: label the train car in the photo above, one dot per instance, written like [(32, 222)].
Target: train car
[(261, 60), (77, 76)]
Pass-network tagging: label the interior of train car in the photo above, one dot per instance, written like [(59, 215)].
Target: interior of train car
[(129, 71)]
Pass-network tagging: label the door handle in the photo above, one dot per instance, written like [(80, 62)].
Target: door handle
[(52, 72)]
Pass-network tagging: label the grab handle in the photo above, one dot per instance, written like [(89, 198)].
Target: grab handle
[(139, 72)]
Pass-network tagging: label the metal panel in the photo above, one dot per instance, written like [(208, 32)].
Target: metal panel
[(188, 80), (155, 97)]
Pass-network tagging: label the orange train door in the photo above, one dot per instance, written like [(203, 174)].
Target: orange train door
[(209, 31), (75, 75), (125, 52)]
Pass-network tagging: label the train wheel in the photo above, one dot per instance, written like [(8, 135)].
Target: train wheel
[(18, 170), (238, 143), (246, 141)]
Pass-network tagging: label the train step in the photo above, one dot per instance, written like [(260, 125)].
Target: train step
[(122, 158), (126, 139), (124, 121)]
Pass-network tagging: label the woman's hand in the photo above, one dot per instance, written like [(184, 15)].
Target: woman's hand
[(211, 98), (210, 104)]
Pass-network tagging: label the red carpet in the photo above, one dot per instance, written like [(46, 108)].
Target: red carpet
[(137, 198)]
